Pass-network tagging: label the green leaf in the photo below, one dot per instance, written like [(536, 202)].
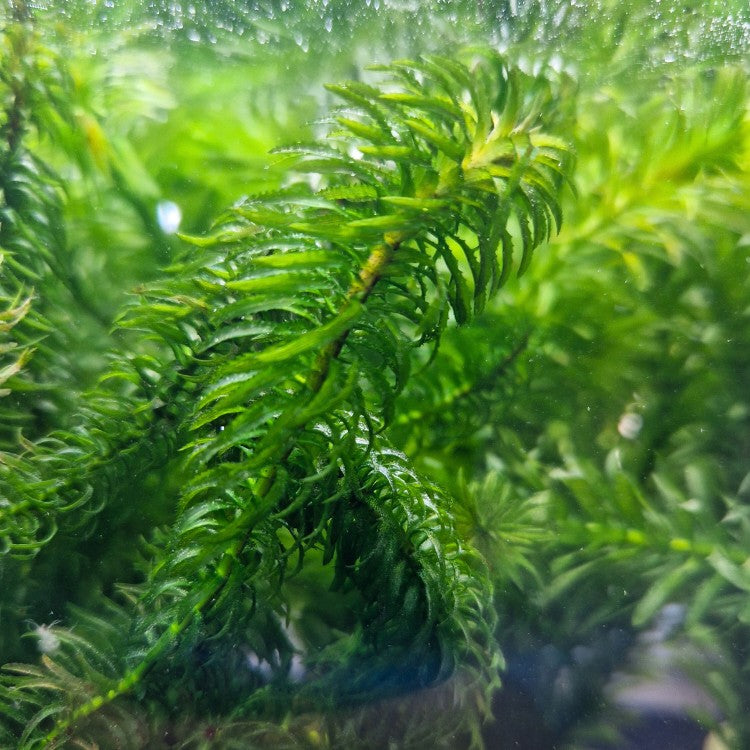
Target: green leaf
[(661, 591), (443, 143), (365, 131), (354, 193), (277, 283), (312, 340), (433, 104)]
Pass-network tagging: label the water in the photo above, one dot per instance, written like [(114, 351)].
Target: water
[(280, 467)]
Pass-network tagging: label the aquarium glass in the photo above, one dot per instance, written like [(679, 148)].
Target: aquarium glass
[(374, 374)]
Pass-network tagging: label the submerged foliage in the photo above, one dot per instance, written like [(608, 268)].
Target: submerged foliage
[(357, 440)]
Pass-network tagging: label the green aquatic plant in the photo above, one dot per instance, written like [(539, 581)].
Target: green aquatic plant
[(354, 455), (270, 358)]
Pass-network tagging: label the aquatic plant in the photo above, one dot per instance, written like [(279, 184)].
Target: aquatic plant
[(351, 442), (284, 338)]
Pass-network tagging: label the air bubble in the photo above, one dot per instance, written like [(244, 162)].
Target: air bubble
[(169, 216)]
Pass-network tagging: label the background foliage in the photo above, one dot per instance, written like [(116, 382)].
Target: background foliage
[(575, 447)]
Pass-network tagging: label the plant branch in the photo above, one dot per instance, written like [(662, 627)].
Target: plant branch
[(360, 290)]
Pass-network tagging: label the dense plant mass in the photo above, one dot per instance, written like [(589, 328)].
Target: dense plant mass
[(446, 370)]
